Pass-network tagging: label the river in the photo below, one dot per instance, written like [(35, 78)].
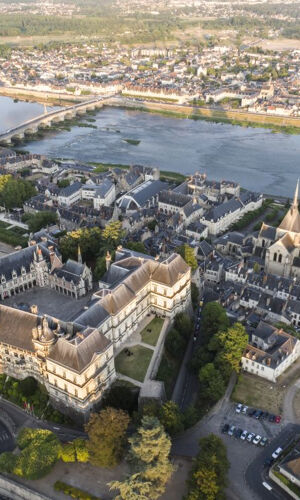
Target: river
[(257, 158)]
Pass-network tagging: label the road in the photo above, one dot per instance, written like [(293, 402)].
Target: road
[(21, 419), (256, 473)]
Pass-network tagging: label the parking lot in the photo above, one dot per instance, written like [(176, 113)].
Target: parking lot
[(240, 421)]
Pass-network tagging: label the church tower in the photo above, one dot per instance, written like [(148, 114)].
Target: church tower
[(291, 221)]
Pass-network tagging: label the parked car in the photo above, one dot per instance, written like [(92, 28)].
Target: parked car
[(244, 435), (245, 409), (237, 433), (265, 415), (251, 412), (276, 453), (225, 428), (269, 462), (238, 408), (231, 430), (258, 414), (257, 439), (271, 418), (263, 441), (250, 437), (277, 419)]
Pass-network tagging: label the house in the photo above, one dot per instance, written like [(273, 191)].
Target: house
[(143, 196), (270, 351)]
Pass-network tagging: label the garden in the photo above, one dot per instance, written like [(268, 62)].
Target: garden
[(150, 334), (133, 362), (32, 396)]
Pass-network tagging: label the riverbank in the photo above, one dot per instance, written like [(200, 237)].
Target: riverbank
[(55, 99), (287, 125)]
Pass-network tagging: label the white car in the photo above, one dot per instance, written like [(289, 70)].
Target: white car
[(250, 437), (245, 409), (231, 430), (277, 453), (257, 439), (238, 408), (244, 435)]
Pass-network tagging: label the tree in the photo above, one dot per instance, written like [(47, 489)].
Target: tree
[(4, 178), (137, 246), (171, 418), (39, 220), (174, 343), (100, 268), (233, 342), (112, 232), (88, 239), (15, 192), (208, 478), (63, 183), (187, 253), (149, 459), (40, 449), (107, 436), (214, 318), (183, 323), (194, 295), (212, 383)]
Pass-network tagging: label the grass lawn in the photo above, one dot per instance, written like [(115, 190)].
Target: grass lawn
[(134, 366), (260, 393), (152, 337)]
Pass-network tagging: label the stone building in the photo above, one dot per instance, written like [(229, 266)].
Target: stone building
[(75, 360), (40, 264), (280, 247)]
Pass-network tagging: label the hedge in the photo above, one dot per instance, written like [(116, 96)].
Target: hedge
[(74, 492)]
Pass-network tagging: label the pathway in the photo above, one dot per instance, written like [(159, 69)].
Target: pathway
[(158, 350), (288, 406)]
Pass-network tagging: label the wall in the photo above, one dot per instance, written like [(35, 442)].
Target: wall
[(15, 491)]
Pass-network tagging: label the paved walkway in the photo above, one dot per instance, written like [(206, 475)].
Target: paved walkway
[(13, 222), (120, 376), (135, 338), (288, 404)]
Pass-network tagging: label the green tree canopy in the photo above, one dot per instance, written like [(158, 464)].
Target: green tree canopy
[(171, 418), (40, 220), (113, 232), (208, 478), (149, 459), (15, 192), (89, 240), (107, 436), (214, 319), (233, 342), (188, 254), (212, 383)]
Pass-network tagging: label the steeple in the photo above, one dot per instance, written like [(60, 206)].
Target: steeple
[(291, 221), (296, 196), (79, 256)]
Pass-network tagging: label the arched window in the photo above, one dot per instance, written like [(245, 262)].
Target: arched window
[(280, 258), (275, 257)]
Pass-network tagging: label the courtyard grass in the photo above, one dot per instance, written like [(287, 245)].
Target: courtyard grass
[(259, 393), (136, 365), (151, 337)]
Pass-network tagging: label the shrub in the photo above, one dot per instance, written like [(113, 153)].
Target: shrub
[(81, 450), (68, 453), (40, 450), (73, 492), (7, 462)]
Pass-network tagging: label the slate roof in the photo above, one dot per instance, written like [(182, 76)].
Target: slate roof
[(142, 193), (71, 189), (268, 232), (70, 271), (103, 189), (78, 353)]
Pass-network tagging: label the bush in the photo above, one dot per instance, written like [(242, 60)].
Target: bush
[(28, 386), (174, 343), (81, 450), (40, 450), (7, 462), (73, 492), (68, 453)]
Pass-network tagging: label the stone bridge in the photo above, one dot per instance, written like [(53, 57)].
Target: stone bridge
[(32, 126)]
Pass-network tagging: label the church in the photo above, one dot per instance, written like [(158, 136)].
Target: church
[(280, 247)]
